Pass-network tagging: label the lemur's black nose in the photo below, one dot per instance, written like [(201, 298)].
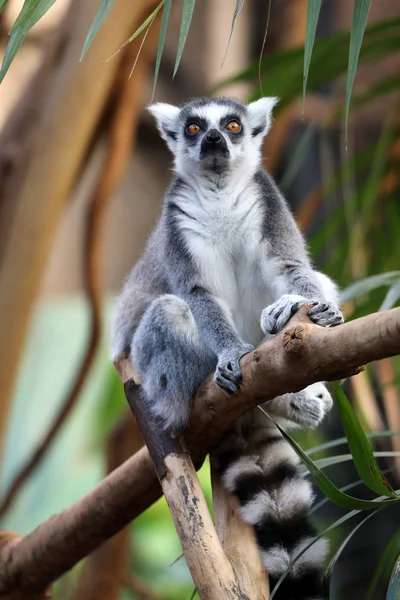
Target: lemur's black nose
[(213, 136)]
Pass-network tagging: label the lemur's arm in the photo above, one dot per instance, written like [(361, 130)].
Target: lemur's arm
[(297, 282)]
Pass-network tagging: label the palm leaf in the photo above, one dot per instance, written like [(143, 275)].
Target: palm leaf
[(328, 488), (187, 13), (360, 448), (391, 297), (371, 187), (30, 14), (359, 22), (343, 440), (385, 86), (147, 22), (338, 553), (161, 41), (27, 10), (364, 286), (284, 69), (385, 565), (238, 7), (313, 10), (343, 488), (334, 525), (330, 461), (393, 592), (101, 14), (297, 158)]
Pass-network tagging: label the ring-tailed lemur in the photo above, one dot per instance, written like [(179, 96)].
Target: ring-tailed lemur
[(225, 265)]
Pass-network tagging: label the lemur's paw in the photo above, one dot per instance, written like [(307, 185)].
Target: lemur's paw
[(227, 374), (310, 406), (325, 314), (275, 316), (320, 391)]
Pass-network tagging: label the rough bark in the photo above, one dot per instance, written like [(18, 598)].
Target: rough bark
[(214, 575), (301, 354)]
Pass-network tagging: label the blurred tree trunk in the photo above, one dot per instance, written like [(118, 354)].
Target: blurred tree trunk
[(105, 570), (68, 116)]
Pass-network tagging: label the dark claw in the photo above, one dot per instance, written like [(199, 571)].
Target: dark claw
[(319, 308), (295, 307), (230, 375), (325, 315), (228, 386), (277, 313)]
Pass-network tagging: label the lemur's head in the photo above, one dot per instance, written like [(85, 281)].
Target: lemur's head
[(214, 134)]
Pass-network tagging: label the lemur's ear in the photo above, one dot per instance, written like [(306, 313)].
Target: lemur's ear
[(166, 116), (260, 116)]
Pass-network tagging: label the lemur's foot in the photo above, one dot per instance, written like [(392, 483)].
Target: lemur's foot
[(309, 407), (227, 374), (275, 316), (306, 408)]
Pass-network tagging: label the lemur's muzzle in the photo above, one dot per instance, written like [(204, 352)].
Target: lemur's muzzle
[(213, 142)]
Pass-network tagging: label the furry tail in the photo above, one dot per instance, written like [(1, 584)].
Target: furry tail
[(275, 500)]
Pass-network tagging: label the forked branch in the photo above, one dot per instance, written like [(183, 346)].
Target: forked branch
[(301, 354), (215, 576)]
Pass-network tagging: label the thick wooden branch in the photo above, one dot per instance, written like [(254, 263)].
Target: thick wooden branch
[(301, 354), (213, 573)]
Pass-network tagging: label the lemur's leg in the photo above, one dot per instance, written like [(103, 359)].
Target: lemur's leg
[(306, 408), (171, 358)]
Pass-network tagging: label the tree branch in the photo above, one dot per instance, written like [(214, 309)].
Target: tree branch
[(213, 574), (301, 354)]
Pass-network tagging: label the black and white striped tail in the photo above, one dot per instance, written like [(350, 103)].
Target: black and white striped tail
[(275, 500)]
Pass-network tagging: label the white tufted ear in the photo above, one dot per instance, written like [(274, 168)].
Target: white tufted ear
[(260, 116), (166, 116)]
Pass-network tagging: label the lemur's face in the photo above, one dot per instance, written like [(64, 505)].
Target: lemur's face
[(215, 134)]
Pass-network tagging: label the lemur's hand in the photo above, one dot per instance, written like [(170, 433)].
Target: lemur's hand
[(227, 374), (275, 316)]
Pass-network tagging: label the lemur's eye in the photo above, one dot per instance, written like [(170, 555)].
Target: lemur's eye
[(234, 126), (193, 128)]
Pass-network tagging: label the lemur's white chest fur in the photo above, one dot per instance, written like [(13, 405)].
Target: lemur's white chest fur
[(223, 232)]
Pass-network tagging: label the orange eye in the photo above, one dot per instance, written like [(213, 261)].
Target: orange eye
[(234, 127), (193, 128)]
